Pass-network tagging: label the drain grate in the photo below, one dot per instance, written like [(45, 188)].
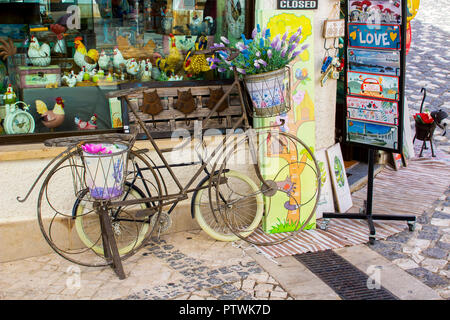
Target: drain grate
[(345, 279)]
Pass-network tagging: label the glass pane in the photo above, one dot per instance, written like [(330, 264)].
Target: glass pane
[(77, 50)]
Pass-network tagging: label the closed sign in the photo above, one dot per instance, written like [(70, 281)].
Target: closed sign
[(297, 4)]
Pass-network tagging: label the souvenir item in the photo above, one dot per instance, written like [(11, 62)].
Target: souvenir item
[(334, 28), (39, 77), (339, 178), (84, 58), (374, 36), (374, 61), (86, 125), (372, 133), (194, 64), (375, 11), (214, 97), (151, 103), (185, 102), (38, 54), (373, 85), (17, 119), (51, 118), (7, 48), (173, 62), (104, 61), (376, 110), (326, 202)]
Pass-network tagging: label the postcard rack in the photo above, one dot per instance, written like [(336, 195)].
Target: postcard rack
[(374, 83)]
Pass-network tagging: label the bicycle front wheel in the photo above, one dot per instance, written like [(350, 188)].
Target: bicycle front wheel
[(245, 212)]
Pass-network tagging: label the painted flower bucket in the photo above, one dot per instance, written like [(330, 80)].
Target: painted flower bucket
[(269, 92), (105, 169)]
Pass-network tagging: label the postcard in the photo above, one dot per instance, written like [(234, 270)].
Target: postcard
[(374, 36), (373, 61), (370, 133), (375, 11), (372, 110), (372, 85)]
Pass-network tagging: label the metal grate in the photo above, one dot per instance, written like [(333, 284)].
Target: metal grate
[(345, 279)]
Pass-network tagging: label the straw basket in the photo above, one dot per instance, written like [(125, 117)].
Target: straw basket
[(269, 92), (105, 172)]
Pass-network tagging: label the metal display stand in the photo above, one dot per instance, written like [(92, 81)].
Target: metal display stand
[(366, 212)]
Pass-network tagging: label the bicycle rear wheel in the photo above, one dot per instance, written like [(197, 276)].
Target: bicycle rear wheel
[(246, 212), (288, 176)]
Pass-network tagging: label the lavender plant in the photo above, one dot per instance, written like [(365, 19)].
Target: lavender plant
[(259, 54)]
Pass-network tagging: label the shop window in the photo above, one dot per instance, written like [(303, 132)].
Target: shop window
[(59, 58)]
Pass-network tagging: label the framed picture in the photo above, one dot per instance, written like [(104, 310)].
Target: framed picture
[(339, 178), (326, 201), (375, 11), (370, 133), (334, 28), (370, 109), (374, 36), (372, 85), (374, 61)]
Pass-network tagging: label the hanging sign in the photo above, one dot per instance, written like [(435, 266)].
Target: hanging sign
[(297, 4), (382, 36)]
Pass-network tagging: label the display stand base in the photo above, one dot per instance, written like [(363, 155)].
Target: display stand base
[(110, 250), (366, 212)]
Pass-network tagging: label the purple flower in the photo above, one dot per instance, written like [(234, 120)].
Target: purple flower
[(296, 53), (269, 53), (285, 36), (258, 54), (293, 37), (254, 33), (221, 69), (275, 41), (240, 70), (256, 64), (224, 40), (283, 52), (261, 61)]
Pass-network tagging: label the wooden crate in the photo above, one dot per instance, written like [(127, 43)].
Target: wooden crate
[(170, 119)]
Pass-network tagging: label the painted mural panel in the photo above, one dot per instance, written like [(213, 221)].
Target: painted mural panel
[(372, 85), (291, 206), (374, 61)]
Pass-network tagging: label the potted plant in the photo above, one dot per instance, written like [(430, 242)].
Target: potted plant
[(262, 63)]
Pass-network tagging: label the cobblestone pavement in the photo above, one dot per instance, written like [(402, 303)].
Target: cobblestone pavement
[(424, 253)]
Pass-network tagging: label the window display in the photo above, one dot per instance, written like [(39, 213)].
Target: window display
[(78, 50)]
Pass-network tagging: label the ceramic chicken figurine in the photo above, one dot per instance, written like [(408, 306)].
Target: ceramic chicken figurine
[(84, 58), (51, 118), (133, 68), (87, 125), (70, 80), (173, 61), (119, 62), (39, 54), (194, 64), (104, 61), (10, 96)]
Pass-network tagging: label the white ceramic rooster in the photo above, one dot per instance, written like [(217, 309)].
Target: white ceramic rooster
[(119, 62), (104, 61), (39, 54), (133, 67)]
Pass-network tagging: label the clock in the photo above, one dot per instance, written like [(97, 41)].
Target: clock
[(17, 120)]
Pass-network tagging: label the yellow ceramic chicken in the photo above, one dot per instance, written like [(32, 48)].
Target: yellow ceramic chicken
[(84, 58), (51, 118), (173, 61), (195, 64)]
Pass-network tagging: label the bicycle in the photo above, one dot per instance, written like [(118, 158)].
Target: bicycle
[(227, 203)]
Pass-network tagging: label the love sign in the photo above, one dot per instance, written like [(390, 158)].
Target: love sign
[(383, 36)]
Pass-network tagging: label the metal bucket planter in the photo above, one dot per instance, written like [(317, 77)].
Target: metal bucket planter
[(425, 131), (269, 92), (105, 170)]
